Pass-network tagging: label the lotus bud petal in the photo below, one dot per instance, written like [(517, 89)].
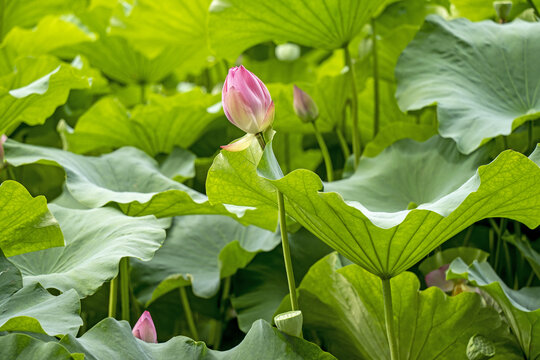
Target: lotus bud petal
[(246, 101), (144, 329), (241, 144), (437, 278), (304, 106)]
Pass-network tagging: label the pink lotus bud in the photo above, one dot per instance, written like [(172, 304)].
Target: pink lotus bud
[(438, 278), (144, 329), (3, 139), (304, 106), (246, 101)]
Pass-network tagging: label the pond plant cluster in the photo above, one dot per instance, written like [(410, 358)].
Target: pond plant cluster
[(248, 179)]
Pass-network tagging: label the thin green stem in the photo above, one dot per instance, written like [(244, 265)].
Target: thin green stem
[(530, 279), (325, 153), (343, 144), (376, 95), (354, 107), (124, 288), (389, 319), (113, 296), (505, 142), (286, 251), (260, 139), (531, 3), (468, 236), (284, 239), (218, 329), (188, 313)]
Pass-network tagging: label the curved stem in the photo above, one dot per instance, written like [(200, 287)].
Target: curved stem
[(354, 107), (286, 251), (325, 153), (376, 101), (531, 3), (124, 287), (113, 296), (218, 329), (389, 319), (188, 313)]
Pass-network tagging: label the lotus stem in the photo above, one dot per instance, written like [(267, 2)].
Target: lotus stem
[(222, 310), (113, 296), (325, 153), (286, 251), (124, 288), (354, 107), (343, 144), (376, 97), (188, 313), (531, 3), (284, 239), (389, 319)]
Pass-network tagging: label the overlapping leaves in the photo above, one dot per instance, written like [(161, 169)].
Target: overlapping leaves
[(128, 177), (344, 308), (96, 240), (520, 307), (263, 342)]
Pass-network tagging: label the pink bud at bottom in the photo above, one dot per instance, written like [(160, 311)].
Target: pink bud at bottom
[(144, 329)]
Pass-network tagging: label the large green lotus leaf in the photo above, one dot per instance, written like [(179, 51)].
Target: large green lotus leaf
[(26, 223), (520, 307), (411, 198), (115, 56), (154, 26), (128, 177), (396, 131), (260, 287), (482, 76), (201, 250), (34, 309), (36, 87), (290, 152), (21, 346), (27, 13), (236, 25), (155, 128), (233, 179), (51, 33), (96, 240), (263, 342), (344, 307)]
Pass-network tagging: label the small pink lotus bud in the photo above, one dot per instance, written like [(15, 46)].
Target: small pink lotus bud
[(3, 139), (246, 101), (144, 329), (304, 106), (437, 278)]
